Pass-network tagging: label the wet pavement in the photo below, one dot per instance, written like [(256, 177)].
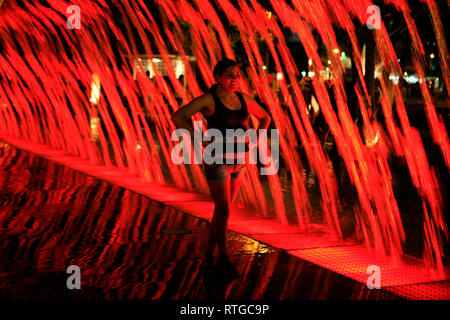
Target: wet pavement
[(130, 247)]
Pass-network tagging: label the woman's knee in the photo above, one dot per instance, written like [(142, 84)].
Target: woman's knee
[(222, 210)]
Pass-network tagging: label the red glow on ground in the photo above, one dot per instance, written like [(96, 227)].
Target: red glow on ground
[(408, 277)]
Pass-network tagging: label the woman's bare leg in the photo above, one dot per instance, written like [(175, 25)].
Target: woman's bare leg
[(220, 192), (235, 185)]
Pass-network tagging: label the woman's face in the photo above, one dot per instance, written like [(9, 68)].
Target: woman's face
[(229, 80)]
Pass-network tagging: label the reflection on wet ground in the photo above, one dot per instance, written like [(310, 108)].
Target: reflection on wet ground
[(130, 247), (407, 196)]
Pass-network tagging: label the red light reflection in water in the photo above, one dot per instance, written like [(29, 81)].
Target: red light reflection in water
[(53, 216), (46, 86)]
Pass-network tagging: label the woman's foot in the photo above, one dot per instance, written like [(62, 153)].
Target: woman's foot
[(209, 253), (208, 261), (227, 267)]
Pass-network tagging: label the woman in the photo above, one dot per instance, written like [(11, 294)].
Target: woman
[(224, 107)]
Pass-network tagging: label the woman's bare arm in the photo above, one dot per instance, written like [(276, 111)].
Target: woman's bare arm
[(181, 118), (255, 109)]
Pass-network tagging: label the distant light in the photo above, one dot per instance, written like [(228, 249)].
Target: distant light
[(373, 142), (310, 62), (264, 67), (311, 74), (95, 89), (412, 79), (156, 60), (94, 123), (279, 76), (269, 14), (138, 147), (303, 73), (394, 78), (329, 61), (342, 54), (432, 56), (140, 59), (405, 74), (398, 60), (336, 50)]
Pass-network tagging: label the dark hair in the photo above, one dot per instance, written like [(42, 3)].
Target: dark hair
[(220, 69), (222, 66)]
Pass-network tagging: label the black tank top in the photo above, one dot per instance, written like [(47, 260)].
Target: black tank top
[(224, 118)]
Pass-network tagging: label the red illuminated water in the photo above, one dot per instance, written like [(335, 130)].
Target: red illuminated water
[(81, 91)]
